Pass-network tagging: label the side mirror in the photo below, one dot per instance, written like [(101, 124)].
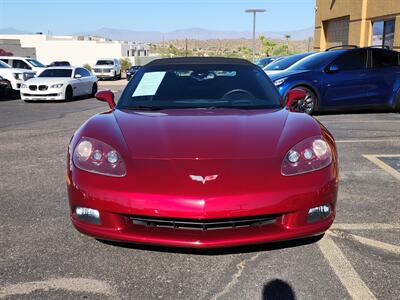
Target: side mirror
[(78, 76), (333, 69), (106, 96), (293, 98)]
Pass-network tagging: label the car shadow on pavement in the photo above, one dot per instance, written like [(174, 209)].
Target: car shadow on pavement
[(277, 289), (218, 251)]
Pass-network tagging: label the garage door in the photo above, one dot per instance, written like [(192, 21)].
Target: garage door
[(336, 32)]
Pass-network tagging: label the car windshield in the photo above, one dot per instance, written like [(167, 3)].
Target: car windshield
[(105, 62), (3, 65), (36, 63), (200, 86), (285, 63), (60, 63), (56, 73), (315, 61)]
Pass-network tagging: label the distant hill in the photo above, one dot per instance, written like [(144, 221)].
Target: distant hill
[(190, 33), (10, 30), (193, 33)]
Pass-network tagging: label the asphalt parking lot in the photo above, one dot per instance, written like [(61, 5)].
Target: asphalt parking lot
[(43, 256)]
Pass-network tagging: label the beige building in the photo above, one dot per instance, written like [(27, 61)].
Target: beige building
[(357, 22)]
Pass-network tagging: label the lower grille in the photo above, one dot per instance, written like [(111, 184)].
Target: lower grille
[(195, 224), (43, 95)]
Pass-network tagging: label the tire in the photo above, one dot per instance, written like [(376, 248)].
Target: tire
[(310, 103), (397, 105), (115, 75), (94, 90), (68, 93)]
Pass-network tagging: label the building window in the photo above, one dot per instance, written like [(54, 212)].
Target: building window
[(383, 33)]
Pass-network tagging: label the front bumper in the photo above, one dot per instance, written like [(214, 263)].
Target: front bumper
[(104, 75), (117, 208), (49, 94)]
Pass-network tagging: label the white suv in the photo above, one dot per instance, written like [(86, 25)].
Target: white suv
[(24, 63), (107, 68), (14, 77)]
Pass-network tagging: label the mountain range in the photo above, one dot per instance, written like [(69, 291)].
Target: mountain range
[(190, 33)]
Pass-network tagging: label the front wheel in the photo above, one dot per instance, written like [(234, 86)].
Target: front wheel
[(68, 93), (309, 104), (94, 90)]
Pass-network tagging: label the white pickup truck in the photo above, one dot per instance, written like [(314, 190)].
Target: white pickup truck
[(107, 68), (14, 77)]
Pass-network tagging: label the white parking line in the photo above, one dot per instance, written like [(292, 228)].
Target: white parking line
[(356, 288), (369, 242), (71, 284)]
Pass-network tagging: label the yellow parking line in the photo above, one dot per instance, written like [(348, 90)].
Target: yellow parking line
[(368, 226), (343, 269), (373, 158), (377, 244)]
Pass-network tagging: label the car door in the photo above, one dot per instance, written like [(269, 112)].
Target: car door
[(86, 80), (384, 76), (345, 80), (77, 83)]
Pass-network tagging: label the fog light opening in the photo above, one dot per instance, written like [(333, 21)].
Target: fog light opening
[(87, 215), (319, 213)]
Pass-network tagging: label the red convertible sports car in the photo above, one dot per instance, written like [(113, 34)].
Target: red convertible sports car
[(199, 153)]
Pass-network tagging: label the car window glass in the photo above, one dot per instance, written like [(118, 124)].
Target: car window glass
[(3, 65), (352, 60), (384, 58), (16, 63), (85, 73), (4, 60)]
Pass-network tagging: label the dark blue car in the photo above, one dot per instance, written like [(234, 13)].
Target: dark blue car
[(345, 79)]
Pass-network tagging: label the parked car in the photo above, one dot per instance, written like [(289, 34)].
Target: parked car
[(284, 62), (59, 64), (59, 83), (265, 61), (344, 79), (4, 88), (199, 153), (26, 63), (13, 77), (107, 68), (131, 72)]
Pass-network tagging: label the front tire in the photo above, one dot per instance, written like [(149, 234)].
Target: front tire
[(94, 90), (309, 104), (68, 93)]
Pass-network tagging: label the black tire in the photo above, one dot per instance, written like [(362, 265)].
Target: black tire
[(309, 105), (94, 90), (120, 75), (115, 75), (397, 106), (69, 93)]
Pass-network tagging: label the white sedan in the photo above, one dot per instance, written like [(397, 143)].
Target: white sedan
[(59, 83)]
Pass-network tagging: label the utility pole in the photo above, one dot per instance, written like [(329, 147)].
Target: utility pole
[(254, 12), (186, 47)]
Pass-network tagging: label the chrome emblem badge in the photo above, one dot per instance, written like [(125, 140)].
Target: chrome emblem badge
[(203, 179)]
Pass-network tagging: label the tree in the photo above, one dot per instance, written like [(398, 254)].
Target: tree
[(267, 47), (125, 63), (281, 50), (88, 67)]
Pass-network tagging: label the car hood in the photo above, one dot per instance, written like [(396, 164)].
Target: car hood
[(202, 133), (285, 73), (48, 80)]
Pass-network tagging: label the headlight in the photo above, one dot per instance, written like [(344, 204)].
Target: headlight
[(23, 86), (94, 156), (309, 155), (280, 81), (57, 85), (18, 76)]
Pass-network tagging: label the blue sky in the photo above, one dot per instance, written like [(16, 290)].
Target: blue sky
[(72, 16)]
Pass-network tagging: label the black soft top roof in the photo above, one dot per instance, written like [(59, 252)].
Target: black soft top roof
[(199, 60)]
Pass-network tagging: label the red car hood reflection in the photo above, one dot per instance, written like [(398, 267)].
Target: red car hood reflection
[(202, 133)]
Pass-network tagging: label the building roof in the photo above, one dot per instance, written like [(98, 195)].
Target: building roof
[(199, 60)]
